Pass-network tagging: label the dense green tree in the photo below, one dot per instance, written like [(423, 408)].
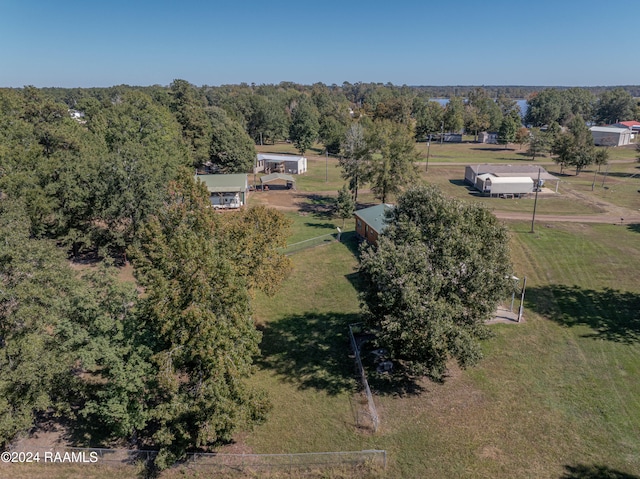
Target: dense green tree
[(545, 107), (198, 268), (482, 112), (145, 152), (355, 161), (188, 107), (613, 106), (35, 287), (268, 120), (345, 206), (508, 130), (436, 275), (538, 143), (453, 115), (575, 146), (231, 149), (331, 132), (393, 155), (428, 116), (303, 130)]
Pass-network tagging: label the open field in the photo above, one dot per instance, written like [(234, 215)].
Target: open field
[(554, 393), (556, 396)]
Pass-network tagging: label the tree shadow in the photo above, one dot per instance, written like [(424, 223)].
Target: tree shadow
[(613, 315), (310, 350), (635, 227), (329, 226), (351, 240), (321, 206), (619, 174), (582, 471), (470, 189)]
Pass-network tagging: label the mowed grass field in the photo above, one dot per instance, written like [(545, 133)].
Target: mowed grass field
[(555, 395)]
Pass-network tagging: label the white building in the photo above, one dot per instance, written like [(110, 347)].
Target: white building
[(288, 164), (610, 136)]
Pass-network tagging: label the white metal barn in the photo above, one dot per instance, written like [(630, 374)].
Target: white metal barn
[(610, 136), (507, 186), (288, 164)]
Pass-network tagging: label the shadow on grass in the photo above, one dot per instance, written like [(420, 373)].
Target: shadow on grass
[(321, 206), (612, 314), (635, 227), (352, 242), (329, 226), (582, 471), (619, 174), (311, 350)]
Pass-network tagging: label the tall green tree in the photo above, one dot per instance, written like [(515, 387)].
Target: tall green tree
[(355, 161), (538, 143), (35, 287), (428, 116), (231, 149), (508, 130), (453, 116), (393, 157), (197, 308), (145, 152), (345, 206), (575, 146), (189, 109), (436, 275), (615, 105), (303, 131)]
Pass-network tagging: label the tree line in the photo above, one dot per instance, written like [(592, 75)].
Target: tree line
[(161, 363), (165, 365)]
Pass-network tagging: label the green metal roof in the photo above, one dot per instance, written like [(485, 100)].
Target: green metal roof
[(374, 216), (224, 183)]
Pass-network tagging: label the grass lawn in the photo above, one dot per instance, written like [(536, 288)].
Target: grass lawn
[(554, 395), (451, 180)]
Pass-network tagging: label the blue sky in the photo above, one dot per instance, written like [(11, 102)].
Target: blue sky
[(74, 43)]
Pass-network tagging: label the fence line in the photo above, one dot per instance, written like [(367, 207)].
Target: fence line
[(373, 412), (309, 243), (372, 457)]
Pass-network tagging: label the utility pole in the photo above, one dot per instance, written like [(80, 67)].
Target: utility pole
[(428, 148), (326, 166), (535, 202), (605, 175)]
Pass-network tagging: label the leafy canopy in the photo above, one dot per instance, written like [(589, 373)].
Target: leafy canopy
[(435, 277)]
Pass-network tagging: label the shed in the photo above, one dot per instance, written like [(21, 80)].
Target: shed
[(472, 172), (481, 182), (370, 222), (226, 191), (487, 137), (610, 136), (501, 186), (289, 164), (290, 182)]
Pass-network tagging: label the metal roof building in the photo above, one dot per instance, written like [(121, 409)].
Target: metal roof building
[(226, 191), (370, 222), (474, 174), (610, 136)]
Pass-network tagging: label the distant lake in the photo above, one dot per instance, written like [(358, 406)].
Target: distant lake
[(521, 103)]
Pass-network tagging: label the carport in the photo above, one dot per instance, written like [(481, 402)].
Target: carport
[(288, 179)]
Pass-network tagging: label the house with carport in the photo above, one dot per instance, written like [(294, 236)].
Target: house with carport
[(226, 191)]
